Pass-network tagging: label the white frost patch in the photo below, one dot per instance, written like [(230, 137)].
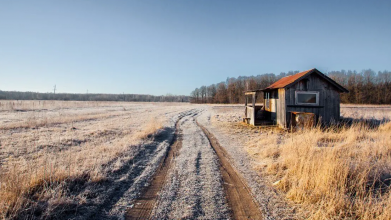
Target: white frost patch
[(142, 180), (194, 189)]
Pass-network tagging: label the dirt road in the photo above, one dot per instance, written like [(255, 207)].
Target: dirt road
[(238, 194), (132, 160), (195, 181), (144, 205)]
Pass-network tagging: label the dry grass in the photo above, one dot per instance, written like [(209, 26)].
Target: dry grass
[(150, 128), (40, 177), (44, 150), (337, 173)]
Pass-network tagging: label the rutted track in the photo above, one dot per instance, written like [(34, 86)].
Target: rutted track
[(194, 186), (199, 181), (238, 195), (124, 185), (178, 172), (144, 205)]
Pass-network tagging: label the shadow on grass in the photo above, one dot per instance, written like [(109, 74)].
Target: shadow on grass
[(366, 123)]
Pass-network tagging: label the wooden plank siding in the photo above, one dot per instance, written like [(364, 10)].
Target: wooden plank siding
[(282, 98), (329, 100), (281, 108)]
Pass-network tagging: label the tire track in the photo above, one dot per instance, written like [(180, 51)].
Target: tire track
[(194, 186), (195, 181), (145, 203), (125, 185), (238, 195)]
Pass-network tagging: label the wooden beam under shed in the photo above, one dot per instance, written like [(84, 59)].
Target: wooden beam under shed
[(249, 93)]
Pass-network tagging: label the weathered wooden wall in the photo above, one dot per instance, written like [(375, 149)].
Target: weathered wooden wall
[(281, 108), (329, 101)]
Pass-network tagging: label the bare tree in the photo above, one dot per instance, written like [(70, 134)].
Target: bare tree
[(221, 94), (211, 93), (365, 86), (203, 94)]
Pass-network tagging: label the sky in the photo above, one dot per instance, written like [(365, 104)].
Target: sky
[(173, 46)]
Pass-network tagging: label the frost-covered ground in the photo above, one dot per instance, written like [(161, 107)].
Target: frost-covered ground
[(372, 112), (79, 159), (194, 186), (220, 120), (102, 155), (92, 159)]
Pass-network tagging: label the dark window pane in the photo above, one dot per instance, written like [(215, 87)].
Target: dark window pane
[(306, 98)]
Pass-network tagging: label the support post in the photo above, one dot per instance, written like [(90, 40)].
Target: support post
[(254, 97), (253, 113), (245, 106)]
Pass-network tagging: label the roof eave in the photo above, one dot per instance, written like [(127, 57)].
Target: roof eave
[(337, 85), (269, 89), (341, 88)]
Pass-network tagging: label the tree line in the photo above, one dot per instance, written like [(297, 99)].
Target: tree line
[(14, 95), (365, 87)]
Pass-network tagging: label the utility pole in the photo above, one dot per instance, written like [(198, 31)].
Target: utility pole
[(54, 89)]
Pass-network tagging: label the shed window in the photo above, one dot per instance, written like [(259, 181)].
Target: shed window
[(307, 98)]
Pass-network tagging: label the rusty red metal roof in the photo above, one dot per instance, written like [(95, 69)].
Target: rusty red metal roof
[(288, 80)]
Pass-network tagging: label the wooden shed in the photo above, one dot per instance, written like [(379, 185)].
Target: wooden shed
[(306, 92)]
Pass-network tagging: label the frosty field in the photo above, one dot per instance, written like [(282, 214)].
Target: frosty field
[(94, 160)]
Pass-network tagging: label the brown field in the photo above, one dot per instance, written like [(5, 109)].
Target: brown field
[(50, 148)]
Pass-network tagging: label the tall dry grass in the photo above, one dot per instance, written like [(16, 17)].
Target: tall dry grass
[(33, 181), (338, 173)]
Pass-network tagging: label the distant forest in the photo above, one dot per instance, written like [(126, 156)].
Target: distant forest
[(8, 95), (365, 87)]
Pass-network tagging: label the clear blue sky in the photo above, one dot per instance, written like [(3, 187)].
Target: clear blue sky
[(159, 47)]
